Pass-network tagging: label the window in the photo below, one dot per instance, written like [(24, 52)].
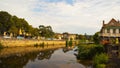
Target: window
[(108, 30), (103, 30), (114, 30), (119, 30), (111, 30)]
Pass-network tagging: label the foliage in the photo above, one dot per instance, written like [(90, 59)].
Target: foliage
[(70, 43), (36, 45), (39, 45), (42, 45), (96, 38), (66, 43), (1, 46), (46, 31), (89, 51), (100, 66), (100, 60), (12, 24), (81, 37)]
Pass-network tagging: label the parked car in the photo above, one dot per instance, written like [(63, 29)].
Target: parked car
[(6, 37), (20, 37)]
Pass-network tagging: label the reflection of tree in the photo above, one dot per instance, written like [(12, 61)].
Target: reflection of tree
[(45, 54), (17, 61), (20, 60), (66, 49)]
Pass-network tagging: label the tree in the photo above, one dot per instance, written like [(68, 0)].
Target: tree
[(96, 38), (13, 30), (9, 23), (12, 24), (5, 21), (46, 31)]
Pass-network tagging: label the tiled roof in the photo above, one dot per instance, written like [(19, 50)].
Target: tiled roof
[(112, 22)]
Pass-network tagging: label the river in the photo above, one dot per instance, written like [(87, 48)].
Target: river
[(51, 58)]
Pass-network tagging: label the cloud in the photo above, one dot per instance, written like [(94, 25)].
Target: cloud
[(74, 16)]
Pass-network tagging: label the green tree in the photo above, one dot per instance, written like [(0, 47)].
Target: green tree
[(13, 30), (96, 38), (12, 24), (5, 21), (46, 31)]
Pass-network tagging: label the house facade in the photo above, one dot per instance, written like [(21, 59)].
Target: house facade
[(110, 32)]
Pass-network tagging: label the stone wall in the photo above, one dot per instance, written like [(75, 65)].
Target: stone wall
[(15, 43)]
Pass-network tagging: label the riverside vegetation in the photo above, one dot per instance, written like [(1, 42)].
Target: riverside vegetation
[(93, 52), (1, 46)]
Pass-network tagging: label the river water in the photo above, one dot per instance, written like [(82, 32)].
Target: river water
[(50, 58)]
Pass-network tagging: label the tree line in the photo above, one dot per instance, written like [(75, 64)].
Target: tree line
[(12, 24)]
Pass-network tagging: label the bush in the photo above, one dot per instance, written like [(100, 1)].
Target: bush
[(66, 43), (36, 45), (70, 43), (100, 60), (100, 66), (89, 51), (1, 46), (42, 45)]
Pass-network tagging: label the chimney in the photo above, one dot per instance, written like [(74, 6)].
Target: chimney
[(103, 22), (118, 21)]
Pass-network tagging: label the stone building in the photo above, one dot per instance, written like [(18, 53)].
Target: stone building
[(59, 36), (65, 36), (110, 32)]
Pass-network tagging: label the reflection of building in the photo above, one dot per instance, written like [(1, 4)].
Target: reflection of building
[(65, 36), (110, 32)]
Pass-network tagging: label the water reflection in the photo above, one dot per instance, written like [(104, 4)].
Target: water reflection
[(50, 58), (20, 60), (45, 54)]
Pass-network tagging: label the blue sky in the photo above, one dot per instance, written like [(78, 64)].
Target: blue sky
[(73, 16), (57, 1)]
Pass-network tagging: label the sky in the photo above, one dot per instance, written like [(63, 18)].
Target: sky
[(73, 16)]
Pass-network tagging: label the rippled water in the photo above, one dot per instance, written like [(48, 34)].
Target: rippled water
[(53, 58)]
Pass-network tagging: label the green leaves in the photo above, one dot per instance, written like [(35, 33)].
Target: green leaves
[(96, 38), (100, 60), (13, 24), (46, 31), (89, 51)]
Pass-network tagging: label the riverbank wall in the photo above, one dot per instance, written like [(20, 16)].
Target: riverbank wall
[(18, 43)]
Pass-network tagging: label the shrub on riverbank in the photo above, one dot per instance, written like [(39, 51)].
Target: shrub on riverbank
[(39, 45), (1, 46), (69, 43), (89, 51), (100, 60)]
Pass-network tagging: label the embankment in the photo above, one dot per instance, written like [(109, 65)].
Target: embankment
[(18, 43)]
